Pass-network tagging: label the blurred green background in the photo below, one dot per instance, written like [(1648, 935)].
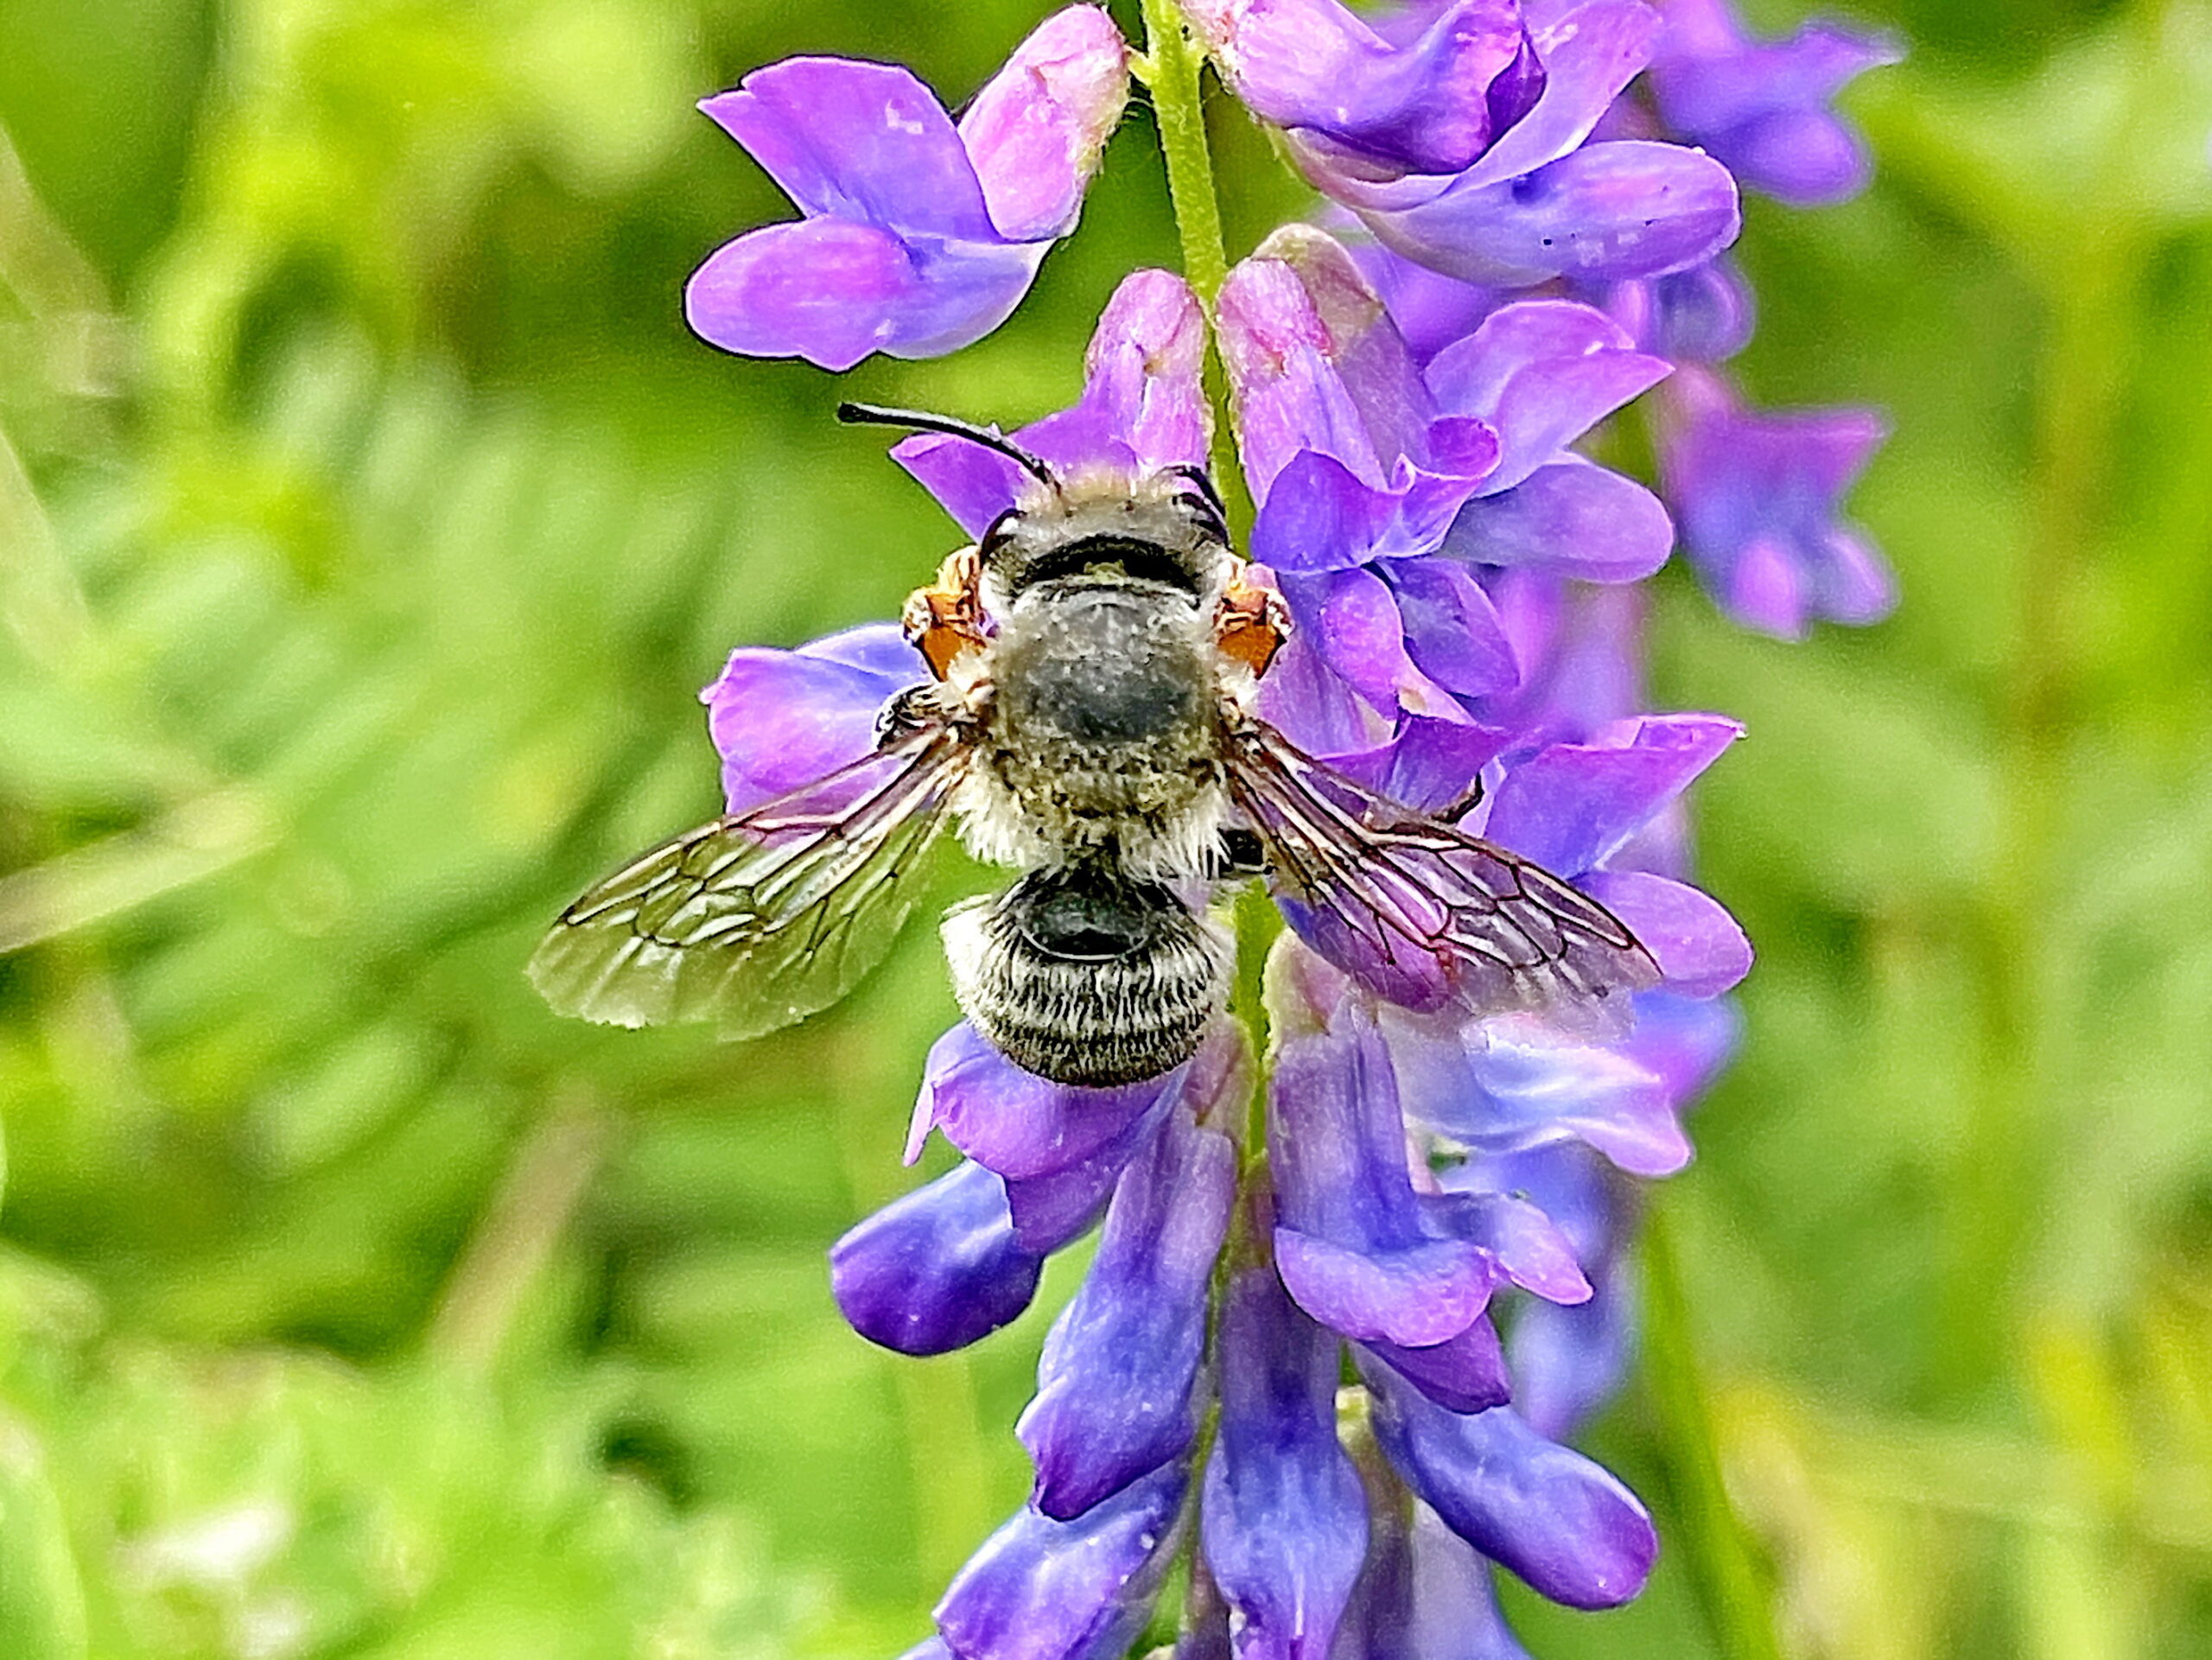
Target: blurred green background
[(369, 521)]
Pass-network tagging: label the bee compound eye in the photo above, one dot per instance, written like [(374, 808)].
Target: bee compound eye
[(1086, 977)]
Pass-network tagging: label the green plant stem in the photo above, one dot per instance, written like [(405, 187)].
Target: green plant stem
[(1730, 1577), (1172, 62)]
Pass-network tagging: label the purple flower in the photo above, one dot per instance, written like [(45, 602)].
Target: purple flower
[(918, 236), (1759, 496), (1763, 107), (1457, 134), (1367, 463), (1143, 407)]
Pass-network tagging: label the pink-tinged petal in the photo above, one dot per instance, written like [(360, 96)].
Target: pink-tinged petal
[(1430, 309), (1564, 1524), (1365, 350), (1036, 131), (1284, 1522), (1570, 518), (1045, 1590), (1015, 1122), (1114, 1387), (1452, 632), (1289, 395), (1606, 212), (783, 719), (1699, 946), (831, 291), (1686, 1041), (938, 1269), (863, 142), (1588, 55), (1303, 698), (1570, 806), (1465, 1373), (1143, 407)]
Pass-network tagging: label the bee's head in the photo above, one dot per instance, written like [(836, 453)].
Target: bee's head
[(1166, 528)]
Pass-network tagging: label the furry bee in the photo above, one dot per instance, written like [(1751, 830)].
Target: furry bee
[(1090, 721)]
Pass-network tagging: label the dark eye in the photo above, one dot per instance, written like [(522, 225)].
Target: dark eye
[(997, 534)]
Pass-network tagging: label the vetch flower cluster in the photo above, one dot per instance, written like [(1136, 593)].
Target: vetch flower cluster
[(1284, 1371)]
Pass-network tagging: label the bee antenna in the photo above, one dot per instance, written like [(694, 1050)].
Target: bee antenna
[(870, 415)]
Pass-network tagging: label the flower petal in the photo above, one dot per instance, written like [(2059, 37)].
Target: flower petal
[(782, 719), (1465, 1373), (1045, 1590), (1699, 946), (1113, 1386), (1565, 1525), (1284, 1523), (1015, 1122), (1570, 806), (1588, 55), (1349, 1241), (1571, 517), (1143, 407), (1629, 207), (861, 142), (1035, 132), (1451, 631), (832, 291), (1499, 1089), (936, 1269)]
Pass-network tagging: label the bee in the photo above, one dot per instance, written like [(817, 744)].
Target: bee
[(1090, 720)]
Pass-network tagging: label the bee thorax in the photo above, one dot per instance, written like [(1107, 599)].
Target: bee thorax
[(1102, 730), (1085, 976)]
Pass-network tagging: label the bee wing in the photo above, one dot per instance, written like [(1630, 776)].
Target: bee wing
[(1419, 910), (762, 917)]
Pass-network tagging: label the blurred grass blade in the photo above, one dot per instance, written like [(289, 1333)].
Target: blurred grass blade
[(1732, 1581), (108, 877)]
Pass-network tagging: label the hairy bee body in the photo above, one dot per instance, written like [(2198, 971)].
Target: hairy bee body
[(1097, 712)]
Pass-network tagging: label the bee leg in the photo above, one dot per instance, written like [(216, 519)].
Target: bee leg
[(945, 621), (1251, 623)]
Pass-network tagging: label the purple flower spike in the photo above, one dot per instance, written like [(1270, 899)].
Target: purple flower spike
[(1760, 498), (919, 238), (1427, 1596), (783, 719), (1762, 107), (938, 1269), (1284, 1525), (1143, 407), (1423, 90), (1115, 1383), (1703, 314), (1562, 1523), (1045, 1590)]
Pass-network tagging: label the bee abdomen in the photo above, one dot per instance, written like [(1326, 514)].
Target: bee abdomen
[(1083, 975)]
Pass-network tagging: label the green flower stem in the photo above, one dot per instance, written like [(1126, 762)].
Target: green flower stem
[(1732, 1579), (1170, 68)]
